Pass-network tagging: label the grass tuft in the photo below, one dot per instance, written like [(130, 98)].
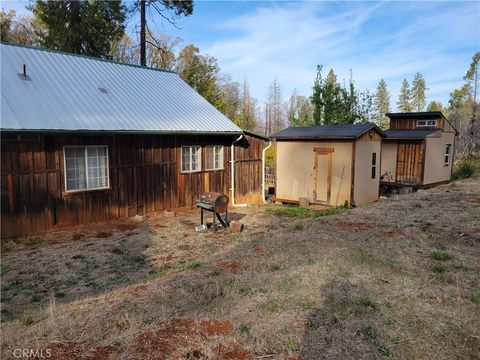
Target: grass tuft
[(272, 306), (439, 269), (154, 275), (292, 346), (475, 299), (26, 319), (298, 226), (441, 255)]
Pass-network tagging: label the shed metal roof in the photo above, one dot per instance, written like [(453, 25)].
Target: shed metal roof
[(68, 92), (326, 132), (410, 134)]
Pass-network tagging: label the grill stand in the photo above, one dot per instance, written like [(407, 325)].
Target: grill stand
[(208, 207)]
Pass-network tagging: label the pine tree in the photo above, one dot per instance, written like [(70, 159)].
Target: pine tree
[(316, 98), (435, 106), (418, 92), (382, 105), (81, 27), (403, 103)]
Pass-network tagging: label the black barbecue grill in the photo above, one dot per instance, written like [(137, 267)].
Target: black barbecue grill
[(215, 202)]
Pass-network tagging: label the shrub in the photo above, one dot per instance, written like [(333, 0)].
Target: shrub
[(464, 169), (441, 255)]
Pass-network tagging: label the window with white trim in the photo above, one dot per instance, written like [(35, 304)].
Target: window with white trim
[(86, 167), (214, 157), (374, 165), (448, 154), (191, 158), (424, 123)]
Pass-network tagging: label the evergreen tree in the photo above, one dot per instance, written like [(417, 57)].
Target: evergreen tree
[(382, 105), (201, 72), (336, 104), (418, 92), (435, 106), (403, 103), (86, 27), (316, 98)]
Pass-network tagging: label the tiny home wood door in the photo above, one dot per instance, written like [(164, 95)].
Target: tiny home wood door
[(322, 175)]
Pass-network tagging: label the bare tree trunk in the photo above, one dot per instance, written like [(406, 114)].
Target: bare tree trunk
[(143, 41)]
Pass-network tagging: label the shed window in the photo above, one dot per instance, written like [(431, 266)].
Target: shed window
[(86, 167), (374, 165), (423, 123), (214, 157), (191, 158), (448, 154)]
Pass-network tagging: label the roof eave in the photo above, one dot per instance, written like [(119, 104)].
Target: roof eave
[(121, 132)]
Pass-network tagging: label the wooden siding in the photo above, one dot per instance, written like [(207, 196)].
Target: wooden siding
[(410, 124), (410, 158), (144, 174), (372, 135)]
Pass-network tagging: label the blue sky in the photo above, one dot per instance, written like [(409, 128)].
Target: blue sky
[(286, 40)]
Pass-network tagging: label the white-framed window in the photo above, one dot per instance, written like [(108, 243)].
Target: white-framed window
[(86, 167), (191, 158), (448, 154), (424, 123), (214, 157), (374, 165)]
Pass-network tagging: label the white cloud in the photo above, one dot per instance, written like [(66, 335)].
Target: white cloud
[(377, 40)]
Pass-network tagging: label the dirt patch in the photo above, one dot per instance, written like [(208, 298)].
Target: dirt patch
[(215, 328), (73, 351), (259, 249), (126, 227), (103, 235), (76, 237), (167, 340), (232, 351), (393, 234), (356, 226), (228, 265)]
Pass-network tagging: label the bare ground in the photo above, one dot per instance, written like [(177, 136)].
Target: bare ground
[(368, 283)]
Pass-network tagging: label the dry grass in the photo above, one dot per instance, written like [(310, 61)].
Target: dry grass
[(359, 284)]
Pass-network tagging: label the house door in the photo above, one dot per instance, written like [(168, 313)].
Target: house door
[(322, 175)]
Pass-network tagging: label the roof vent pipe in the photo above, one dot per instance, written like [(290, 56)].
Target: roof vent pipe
[(24, 70)]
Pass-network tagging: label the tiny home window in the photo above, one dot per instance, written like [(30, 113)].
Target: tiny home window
[(448, 154), (191, 158), (424, 123), (374, 165), (86, 167), (214, 157)]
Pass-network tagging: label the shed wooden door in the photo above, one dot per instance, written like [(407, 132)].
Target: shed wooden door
[(410, 163), (322, 175)]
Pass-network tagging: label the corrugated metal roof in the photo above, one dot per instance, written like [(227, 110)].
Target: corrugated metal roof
[(326, 132), (410, 134), (65, 92)]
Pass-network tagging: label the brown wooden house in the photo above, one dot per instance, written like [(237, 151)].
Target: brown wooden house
[(418, 150), (85, 140)]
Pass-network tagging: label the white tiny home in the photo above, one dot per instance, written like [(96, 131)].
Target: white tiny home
[(329, 165), (418, 150)]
